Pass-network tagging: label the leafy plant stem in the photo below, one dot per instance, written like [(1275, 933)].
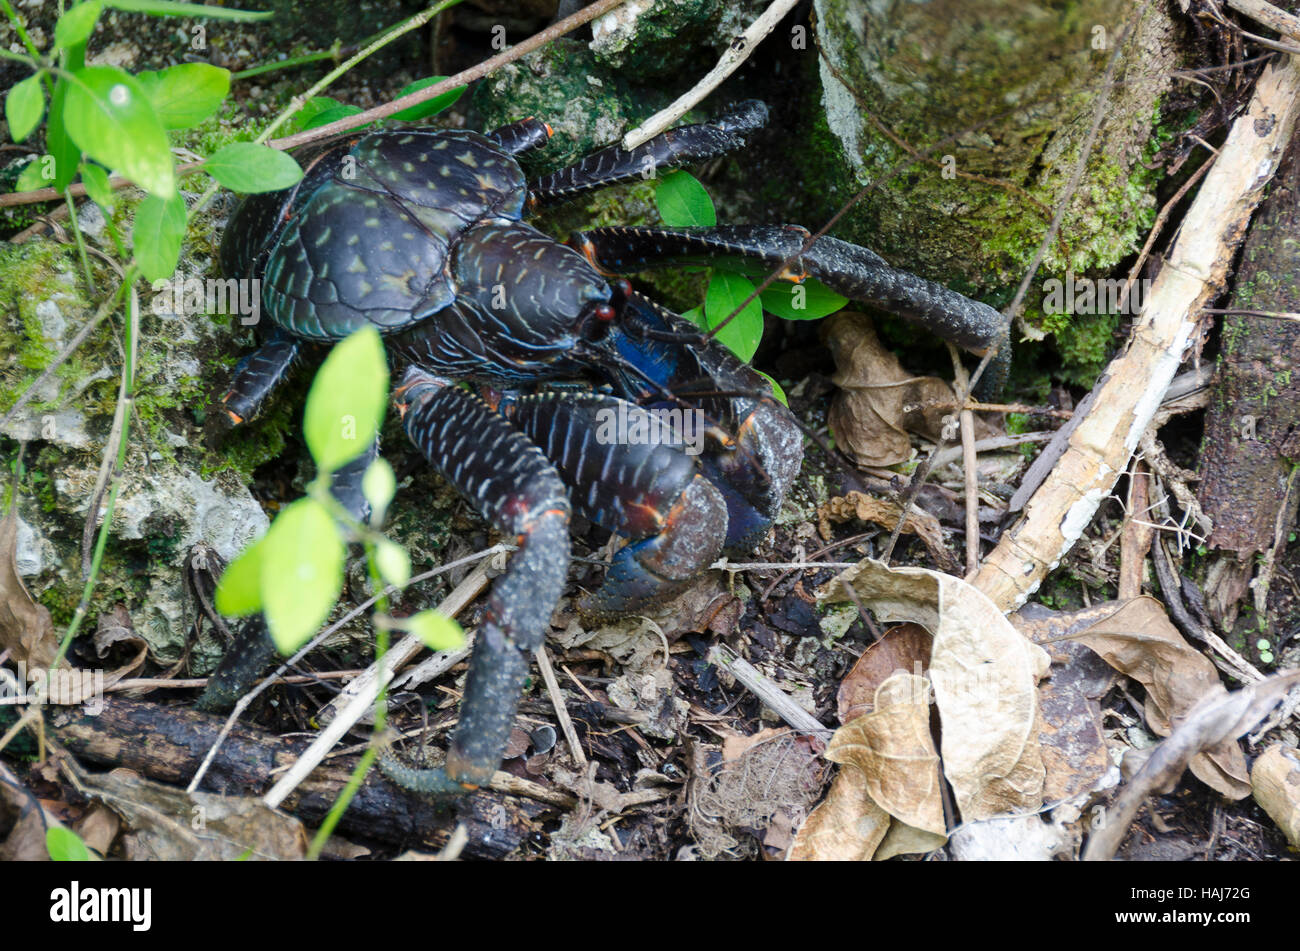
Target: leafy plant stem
[(80, 241), (289, 63), (20, 30), (126, 398)]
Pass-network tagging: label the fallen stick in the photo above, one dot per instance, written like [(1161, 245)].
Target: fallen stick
[(1127, 397)]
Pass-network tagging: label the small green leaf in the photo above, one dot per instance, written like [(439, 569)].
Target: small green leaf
[(239, 593), (108, 116), (334, 114), (430, 107), (302, 572), (807, 301), (393, 562), (249, 168), (379, 485), (23, 107), (59, 144), (310, 110), (684, 203), (439, 632), (727, 291), (64, 845), (345, 407), (76, 25), (184, 95), (32, 176), (96, 181), (157, 234), (776, 389), (167, 8)]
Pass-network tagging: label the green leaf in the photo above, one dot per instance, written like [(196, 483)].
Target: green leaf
[(727, 291), (249, 168), (76, 25), (311, 109), (64, 845), (439, 632), (696, 316), (684, 203), (157, 234), (108, 116), (167, 8), (302, 573), (776, 388), (96, 181), (32, 176), (239, 593), (23, 107), (333, 114), (393, 562), (379, 485), (57, 141), (183, 96), (345, 407), (807, 301), (430, 107)]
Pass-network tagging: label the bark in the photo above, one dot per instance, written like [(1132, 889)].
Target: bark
[(167, 743)]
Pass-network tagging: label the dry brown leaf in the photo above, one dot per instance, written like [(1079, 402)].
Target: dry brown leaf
[(25, 626), (98, 828), (879, 402), (163, 822), (868, 508), (846, 827), (1276, 781), (1219, 718), (1138, 639), (902, 839), (1075, 754), (893, 749), (984, 674), (904, 647)]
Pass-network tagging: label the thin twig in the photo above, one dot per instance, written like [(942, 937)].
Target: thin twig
[(772, 696), (561, 712)]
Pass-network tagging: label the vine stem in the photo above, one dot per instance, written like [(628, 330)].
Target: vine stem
[(126, 399)]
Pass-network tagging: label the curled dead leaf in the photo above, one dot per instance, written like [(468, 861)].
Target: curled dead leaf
[(25, 626), (984, 674), (879, 402), (1137, 638), (883, 512)]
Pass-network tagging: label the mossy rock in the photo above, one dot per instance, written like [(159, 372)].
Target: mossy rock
[(1015, 85)]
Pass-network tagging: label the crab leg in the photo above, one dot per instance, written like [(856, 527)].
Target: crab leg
[(850, 270), (615, 165), (258, 374), (634, 473), (758, 462), (514, 486)]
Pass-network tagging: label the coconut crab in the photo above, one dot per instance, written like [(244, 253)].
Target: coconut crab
[(421, 234)]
